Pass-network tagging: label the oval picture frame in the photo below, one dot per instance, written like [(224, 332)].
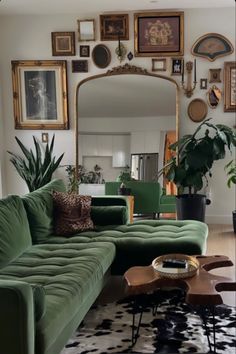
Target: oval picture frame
[(101, 56), (197, 110)]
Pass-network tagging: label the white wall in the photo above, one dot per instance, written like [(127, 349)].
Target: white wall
[(29, 37)]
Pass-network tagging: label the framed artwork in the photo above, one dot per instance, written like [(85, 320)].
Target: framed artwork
[(84, 51), (159, 34), (215, 75), (79, 66), (113, 27), (40, 94), (176, 66), (203, 84), (212, 46), (230, 86), (101, 56), (86, 30), (63, 43), (158, 64)]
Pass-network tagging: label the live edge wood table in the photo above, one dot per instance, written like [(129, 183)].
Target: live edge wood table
[(202, 290)]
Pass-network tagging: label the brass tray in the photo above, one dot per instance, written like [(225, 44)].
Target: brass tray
[(176, 273)]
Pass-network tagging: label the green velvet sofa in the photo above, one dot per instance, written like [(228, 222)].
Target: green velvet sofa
[(48, 282)]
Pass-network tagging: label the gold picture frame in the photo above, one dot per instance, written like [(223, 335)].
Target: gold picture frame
[(158, 34), (114, 26), (40, 94), (159, 64), (63, 43), (230, 86)]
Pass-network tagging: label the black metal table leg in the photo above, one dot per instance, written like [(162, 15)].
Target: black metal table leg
[(135, 330), (205, 314)]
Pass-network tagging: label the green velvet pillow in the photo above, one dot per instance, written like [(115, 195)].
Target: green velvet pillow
[(109, 215), (39, 208), (15, 235)]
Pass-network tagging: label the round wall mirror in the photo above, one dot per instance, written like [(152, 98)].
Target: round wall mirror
[(101, 56)]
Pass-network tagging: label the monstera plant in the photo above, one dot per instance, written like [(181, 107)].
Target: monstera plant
[(191, 165), (36, 168)]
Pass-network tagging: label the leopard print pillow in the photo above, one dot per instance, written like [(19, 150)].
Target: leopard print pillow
[(71, 213)]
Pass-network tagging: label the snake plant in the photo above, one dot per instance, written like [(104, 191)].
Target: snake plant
[(36, 168)]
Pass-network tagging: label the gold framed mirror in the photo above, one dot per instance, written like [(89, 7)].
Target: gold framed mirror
[(131, 93)]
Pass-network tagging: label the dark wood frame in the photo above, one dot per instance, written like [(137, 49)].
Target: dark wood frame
[(214, 75), (87, 48), (203, 84), (79, 66), (172, 66), (21, 101), (163, 61), (159, 49), (229, 86), (113, 36), (70, 36), (108, 60)]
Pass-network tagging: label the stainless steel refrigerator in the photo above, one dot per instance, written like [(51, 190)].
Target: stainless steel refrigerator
[(144, 167)]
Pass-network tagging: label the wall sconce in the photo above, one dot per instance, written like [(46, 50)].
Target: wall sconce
[(120, 50), (188, 90)]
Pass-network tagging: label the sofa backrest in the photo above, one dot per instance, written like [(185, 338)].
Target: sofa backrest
[(15, 235), (146, 195), (39, 208)]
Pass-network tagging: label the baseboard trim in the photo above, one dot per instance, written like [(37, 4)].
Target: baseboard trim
[(219, 219)]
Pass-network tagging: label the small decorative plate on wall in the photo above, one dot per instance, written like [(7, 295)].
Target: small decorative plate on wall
[(197, 110)]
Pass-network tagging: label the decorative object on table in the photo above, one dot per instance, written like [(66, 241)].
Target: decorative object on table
[(212, 46), (120, 50), (113, 25), (124, 176), (130, 56), (158, 34), (63, 43), (84, 51), (192, 167), (203, 84), (162, 332), (101, 56), (214, 95), (215, 75), (40, 94), (79, 66), (230, 86), (158, 64), (175, 266), (197, 110), (36, 169), (176, 66), (230, 169), (189, 88), (86, 30)]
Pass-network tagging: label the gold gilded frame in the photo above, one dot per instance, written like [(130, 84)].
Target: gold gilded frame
[(230, 86), (40, 94), (119, 70), (138, 16)]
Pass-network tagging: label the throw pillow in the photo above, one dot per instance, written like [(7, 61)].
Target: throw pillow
[(71, 213)]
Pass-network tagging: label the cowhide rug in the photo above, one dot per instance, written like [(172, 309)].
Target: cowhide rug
[(175, 328)]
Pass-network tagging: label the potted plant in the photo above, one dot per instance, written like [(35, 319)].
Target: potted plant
[(36, 168), (190, 167), (230, 169), (124, 177)]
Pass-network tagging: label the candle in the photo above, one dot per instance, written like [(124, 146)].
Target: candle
[(195, 70), (119, 45), (183, 70)]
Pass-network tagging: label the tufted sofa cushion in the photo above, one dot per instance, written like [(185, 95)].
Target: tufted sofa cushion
[(14, 229), (139, 243), (69, 273)]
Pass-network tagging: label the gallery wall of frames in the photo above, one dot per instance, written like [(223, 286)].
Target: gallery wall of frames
[(41, 67)]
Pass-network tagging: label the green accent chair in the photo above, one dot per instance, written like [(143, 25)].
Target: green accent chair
[(146, 195)]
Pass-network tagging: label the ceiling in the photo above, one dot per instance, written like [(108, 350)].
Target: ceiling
[(53, 7), (123, 96)]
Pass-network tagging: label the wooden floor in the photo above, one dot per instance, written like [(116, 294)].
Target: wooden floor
[(221, 241)]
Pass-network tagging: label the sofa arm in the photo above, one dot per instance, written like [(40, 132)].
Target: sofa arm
[(17, 322), (111, 201)]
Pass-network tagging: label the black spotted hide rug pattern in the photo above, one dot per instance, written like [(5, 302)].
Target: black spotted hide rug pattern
[(175, 328)]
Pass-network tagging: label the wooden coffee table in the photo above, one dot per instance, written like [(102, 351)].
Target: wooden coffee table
[(202, 290)]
